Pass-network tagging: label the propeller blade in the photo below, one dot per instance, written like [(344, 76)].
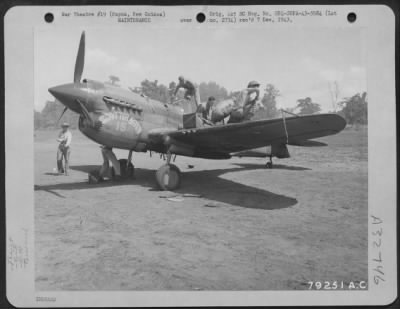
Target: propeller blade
[(62, 114), (80, 59)]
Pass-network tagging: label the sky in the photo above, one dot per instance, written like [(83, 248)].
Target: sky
[(300, 62)]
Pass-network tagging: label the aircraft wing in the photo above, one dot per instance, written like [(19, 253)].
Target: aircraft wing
[(252, 134), (219, 141)]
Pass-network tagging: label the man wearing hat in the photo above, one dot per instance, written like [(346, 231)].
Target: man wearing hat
[(64, 150), (245, 102), (252, 95)]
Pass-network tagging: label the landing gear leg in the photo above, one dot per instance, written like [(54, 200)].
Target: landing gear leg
[(97, 175), (169, 156), (129, 167), (121, 169), (269, 163), (129, 157), (168, 176)]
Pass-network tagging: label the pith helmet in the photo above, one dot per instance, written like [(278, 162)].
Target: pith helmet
[(253, 83)]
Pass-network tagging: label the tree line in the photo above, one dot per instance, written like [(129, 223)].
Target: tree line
[(353, 109)]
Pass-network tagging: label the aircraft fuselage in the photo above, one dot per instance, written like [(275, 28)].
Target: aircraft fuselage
[(116, 117)]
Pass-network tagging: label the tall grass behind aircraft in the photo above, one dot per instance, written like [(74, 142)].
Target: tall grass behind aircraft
[(119, 118)]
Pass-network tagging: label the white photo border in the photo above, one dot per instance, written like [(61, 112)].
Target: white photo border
[(19, 31)]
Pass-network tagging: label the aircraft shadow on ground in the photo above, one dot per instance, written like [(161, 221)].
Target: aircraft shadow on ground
[(206, 183)]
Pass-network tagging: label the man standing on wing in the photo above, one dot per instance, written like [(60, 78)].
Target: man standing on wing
[(64, 149)]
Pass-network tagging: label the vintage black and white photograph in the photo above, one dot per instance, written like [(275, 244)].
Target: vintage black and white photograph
[(227, 151)]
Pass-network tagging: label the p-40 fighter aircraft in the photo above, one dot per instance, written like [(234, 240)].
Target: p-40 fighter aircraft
[(118, 118)]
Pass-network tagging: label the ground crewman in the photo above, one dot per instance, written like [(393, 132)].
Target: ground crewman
[(245, 102), (64, 149), (205, 110), (191, 89)]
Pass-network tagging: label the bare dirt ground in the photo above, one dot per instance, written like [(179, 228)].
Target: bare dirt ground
[(251, 229)]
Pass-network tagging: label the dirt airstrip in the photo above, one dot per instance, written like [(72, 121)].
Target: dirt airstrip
[(233, 225)]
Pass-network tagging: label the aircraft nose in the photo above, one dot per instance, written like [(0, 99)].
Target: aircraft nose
[(63, 92), (68, 94), (57, 91)]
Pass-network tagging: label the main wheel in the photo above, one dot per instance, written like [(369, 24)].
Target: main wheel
[(126, 171), (268, 165), (168, 177)]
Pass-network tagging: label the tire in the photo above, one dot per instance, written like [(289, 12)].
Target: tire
[(94, 177), (126, 172), (268, 165), (168, 177)]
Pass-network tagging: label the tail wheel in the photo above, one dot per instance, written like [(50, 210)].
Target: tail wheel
[(127, 171), (168, 177)]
